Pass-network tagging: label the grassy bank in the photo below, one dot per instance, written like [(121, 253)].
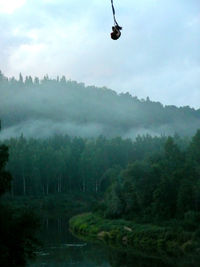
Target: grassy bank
[(146, 237)]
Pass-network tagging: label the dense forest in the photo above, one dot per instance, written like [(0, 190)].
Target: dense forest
[(44, 107), (63, 164), (150, 177), (160, 187)]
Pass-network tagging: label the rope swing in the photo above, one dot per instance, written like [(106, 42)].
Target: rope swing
[(116, 29)]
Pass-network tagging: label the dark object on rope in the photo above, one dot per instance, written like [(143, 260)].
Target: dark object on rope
[(116, 29)]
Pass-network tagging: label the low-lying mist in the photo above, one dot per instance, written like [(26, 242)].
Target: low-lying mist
[(47, 107)]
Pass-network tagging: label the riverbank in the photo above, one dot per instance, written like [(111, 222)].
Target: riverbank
[(145, 237)]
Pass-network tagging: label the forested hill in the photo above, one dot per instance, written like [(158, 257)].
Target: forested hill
[(45, 107)]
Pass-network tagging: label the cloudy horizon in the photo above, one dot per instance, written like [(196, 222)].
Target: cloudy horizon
[(156, 56)]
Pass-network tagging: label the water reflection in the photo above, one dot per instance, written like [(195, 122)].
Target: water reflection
[(61, 248)]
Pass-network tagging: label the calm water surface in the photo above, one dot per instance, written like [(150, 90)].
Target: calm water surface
[(62, 249)]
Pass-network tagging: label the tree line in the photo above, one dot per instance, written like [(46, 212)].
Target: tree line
[(64, 164)]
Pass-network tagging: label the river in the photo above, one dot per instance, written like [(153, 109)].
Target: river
[(62, 249)]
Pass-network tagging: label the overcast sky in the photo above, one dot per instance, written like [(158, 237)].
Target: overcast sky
[(158, 54)]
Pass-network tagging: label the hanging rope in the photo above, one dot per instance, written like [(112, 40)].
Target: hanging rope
[(113, 10), (116, 29)]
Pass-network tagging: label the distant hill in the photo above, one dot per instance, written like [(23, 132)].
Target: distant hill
[(41, 108)]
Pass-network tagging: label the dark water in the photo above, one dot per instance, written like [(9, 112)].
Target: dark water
[(62, 249)]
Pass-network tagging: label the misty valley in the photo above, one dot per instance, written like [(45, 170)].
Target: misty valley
[(89, 177), (41, 108)]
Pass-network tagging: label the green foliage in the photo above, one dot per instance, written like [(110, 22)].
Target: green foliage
[(160, 187), (62, 164), (145, 237)]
